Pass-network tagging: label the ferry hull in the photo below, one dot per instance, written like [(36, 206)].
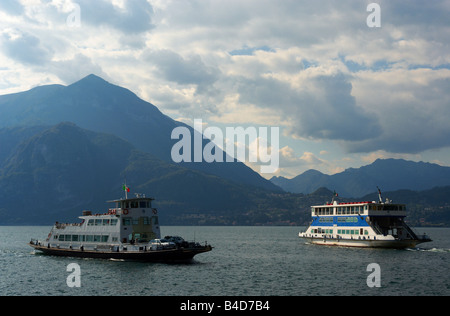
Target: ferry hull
[(170, 255), (395, 244)]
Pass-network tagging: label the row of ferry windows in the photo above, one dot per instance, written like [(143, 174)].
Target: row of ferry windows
[(342, 210), (342, 219), (134, 204), (103, 222), (339, 210), (84, 238), (360, 231), (126, 221)]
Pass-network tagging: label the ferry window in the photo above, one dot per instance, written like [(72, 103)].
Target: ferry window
[(74, 237), (143, 204), (97, 238), (135, 221), (89, 238), (127, 204), (91, 222), (105, 222), (113, 222), (134, 204), (146, 221), (155, 220), (105, 238), (98, 222), (82, 238), (126, 221)]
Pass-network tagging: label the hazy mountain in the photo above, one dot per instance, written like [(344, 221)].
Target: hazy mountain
[(61, 170), (388, 174), (96, 105)]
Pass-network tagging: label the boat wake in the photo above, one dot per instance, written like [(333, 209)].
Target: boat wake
[(437, 250)]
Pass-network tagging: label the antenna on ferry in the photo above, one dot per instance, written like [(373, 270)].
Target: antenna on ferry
[(335, 195), (380, 198)]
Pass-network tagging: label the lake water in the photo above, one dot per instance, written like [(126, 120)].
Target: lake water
[(246, 261)]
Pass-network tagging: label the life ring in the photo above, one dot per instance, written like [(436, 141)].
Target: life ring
[(125, 212), (155, 211)]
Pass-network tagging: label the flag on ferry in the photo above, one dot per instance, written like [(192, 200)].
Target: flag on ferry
[(125, 188)]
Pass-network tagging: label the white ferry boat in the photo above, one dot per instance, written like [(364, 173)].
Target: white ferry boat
[(362, 224), (129, 231)]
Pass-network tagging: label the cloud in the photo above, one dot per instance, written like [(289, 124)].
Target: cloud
[(12, 7), (173, 67), (135, 16), (24, 47), (412, 107), (318, 107)]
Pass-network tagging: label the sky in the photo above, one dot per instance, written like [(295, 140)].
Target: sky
[(343, 94)]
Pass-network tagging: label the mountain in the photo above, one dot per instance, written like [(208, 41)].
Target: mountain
[(388, 174), (97, 105), (61, 170), (55, 172)]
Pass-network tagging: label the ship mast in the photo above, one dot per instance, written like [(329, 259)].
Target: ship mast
[(380, 198)]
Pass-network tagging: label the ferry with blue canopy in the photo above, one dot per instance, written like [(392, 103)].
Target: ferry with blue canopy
[(362, 224)]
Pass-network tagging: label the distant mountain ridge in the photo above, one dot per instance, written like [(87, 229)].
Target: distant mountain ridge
[(388, 174)]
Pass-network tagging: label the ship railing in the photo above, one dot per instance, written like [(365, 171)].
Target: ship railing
[(377, 228), (410, 231)]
